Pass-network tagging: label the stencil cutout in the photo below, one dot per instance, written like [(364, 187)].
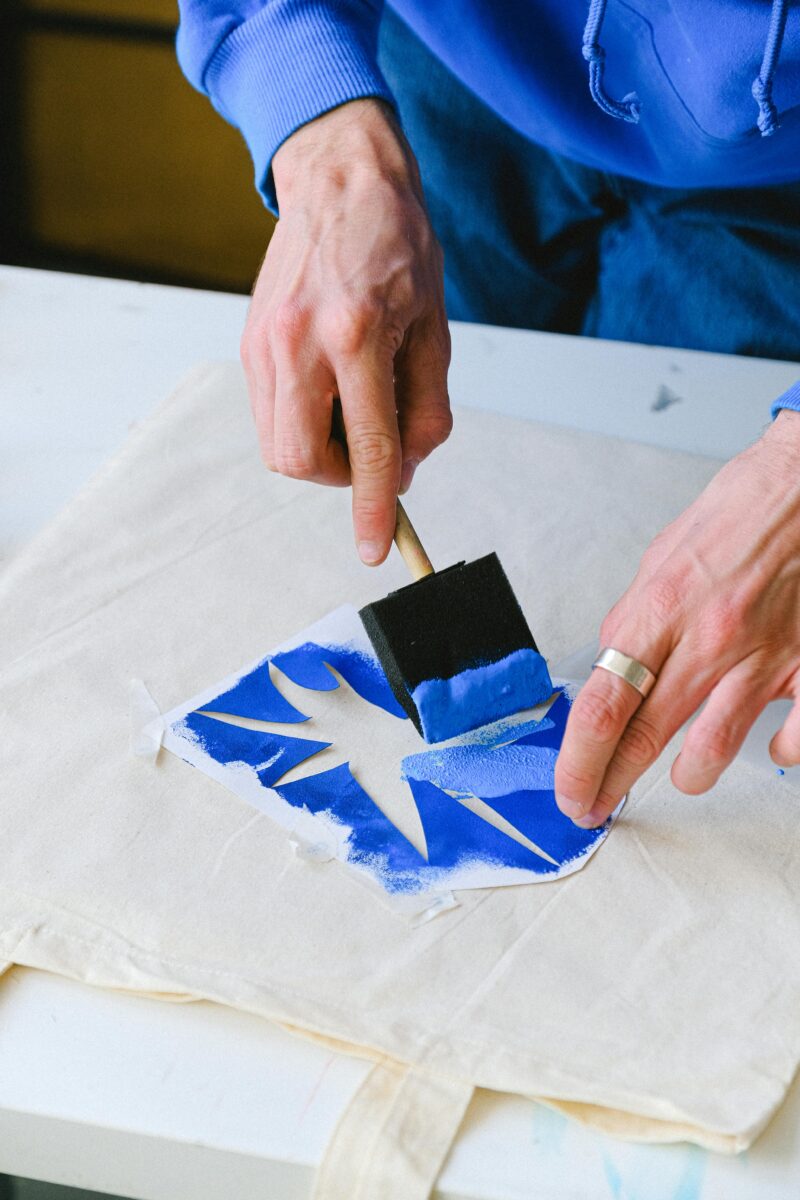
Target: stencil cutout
[(312, 736)]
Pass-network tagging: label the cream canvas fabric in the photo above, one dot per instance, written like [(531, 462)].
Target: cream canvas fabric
[(660, 986)]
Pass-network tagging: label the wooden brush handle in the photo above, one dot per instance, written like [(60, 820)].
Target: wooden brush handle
[(409, 545)]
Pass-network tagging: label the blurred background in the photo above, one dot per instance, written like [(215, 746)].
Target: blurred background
[(110, 162)]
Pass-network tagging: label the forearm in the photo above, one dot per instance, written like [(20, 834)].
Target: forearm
[(271, 71)]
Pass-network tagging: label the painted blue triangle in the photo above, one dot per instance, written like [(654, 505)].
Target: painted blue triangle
[(536, 815), (456, 837), (305, 665), (256, 696), (272, 755), (552, 728), (374, 840)]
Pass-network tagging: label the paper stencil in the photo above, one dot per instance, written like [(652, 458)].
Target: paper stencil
[(312, 736)]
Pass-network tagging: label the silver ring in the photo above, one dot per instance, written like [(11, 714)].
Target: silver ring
[(627, 668)]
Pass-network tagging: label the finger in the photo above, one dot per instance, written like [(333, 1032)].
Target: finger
[(680, 689), (259, 370), (715, 738), (366, 390), (302, 443), (423, 405), (784, 748), (598, 717)]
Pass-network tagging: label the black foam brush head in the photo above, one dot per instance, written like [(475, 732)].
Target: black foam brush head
[(457, 650)]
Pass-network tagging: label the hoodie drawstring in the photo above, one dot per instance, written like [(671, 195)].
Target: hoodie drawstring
[(626, 109), (762, 84), (629, 108)]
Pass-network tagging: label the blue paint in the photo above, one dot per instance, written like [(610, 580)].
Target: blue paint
[(271, 755), (780, 771), (457, 838), (501, 732), (550, 731), (515, 779), (536, 814), (656, 1172), (690, 1186), (510, 768), (484, 771), (255, 695), (448, 707), (613, 1178), (374, 841), (305, 666)]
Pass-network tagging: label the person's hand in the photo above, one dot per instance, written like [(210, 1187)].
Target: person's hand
[(349, 303), (714, 612)]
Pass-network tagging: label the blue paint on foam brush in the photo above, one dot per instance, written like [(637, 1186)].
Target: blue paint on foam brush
[(448, 707), (456, 649)]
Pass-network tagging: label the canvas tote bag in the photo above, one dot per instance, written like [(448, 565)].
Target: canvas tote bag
[(657, 991)]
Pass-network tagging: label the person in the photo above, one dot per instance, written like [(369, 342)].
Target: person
[(623, 169)]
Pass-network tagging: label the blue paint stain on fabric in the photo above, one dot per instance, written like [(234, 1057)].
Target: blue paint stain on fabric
[(271, 755), (456, 837), (484, 771), (448, 707), (255, 695), (538, 817), (305, 666), (515, 779), (374, 841)]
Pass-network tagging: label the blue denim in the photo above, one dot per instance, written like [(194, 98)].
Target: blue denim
[(537, 241)]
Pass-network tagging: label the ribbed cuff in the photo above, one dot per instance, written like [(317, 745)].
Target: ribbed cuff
[(789, 399), (291, 62)]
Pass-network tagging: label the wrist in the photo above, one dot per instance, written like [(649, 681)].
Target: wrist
[(786, 427), (358, 141)]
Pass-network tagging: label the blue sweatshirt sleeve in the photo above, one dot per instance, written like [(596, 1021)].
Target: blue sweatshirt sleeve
[(789, 399), (270, 66)]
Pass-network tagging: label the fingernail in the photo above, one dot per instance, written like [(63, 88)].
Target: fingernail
[(570, 808), (407, 474), (587, 821), (369, 552)]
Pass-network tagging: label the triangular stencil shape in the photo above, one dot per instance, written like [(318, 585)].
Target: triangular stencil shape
[(256, 696), (538, 817), (270, 754), (374, 841), (552, 728), (305, 665), (456, 837)]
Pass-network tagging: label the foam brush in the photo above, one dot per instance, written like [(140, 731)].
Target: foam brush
[(454, 644)]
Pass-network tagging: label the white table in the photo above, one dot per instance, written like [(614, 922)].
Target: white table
[(133, 1096)]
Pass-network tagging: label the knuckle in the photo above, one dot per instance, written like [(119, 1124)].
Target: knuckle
[(432, 428), (349, 325), (724, 619), (609, 627), (599, 715), (641, 743), (296, 461), (572, 780), (374, 450), (716, 745), (290, 322), (663, 599)]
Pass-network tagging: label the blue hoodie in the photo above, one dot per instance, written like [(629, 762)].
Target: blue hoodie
[(684, 93)]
